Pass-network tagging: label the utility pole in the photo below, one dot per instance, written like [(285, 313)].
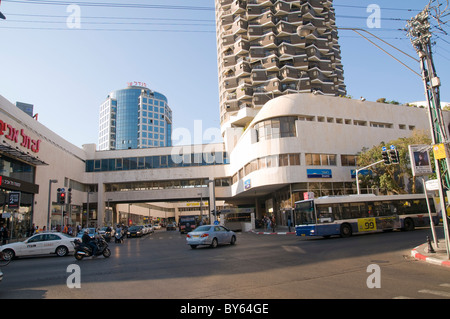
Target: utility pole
[(419, 32)]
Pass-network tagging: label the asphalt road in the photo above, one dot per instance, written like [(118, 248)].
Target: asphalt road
[(162, 266)]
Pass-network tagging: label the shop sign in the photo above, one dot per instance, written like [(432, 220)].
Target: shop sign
[(134, 83), (319, 173), (19, 136), (14, 200)]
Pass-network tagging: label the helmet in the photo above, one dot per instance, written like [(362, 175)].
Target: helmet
[(86, 231)]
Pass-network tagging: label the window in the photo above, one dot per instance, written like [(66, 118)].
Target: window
[(320, 159)]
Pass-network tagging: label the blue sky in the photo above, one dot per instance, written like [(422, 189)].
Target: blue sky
[(171, 45)]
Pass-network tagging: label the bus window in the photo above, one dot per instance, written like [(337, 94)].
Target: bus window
[(304, 213), (325, 214)]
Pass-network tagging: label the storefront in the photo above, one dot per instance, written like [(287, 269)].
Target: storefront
[(17, 191)]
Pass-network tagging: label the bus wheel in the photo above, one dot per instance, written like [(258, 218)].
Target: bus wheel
[(408, 224), (346, 230)]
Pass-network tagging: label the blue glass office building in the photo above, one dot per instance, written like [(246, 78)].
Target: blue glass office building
[(135, 117)]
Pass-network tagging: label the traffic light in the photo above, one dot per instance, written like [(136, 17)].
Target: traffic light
[(69, 196), (385, 156), (61, 196), (394, 157)]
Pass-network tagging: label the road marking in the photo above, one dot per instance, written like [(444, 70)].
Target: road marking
[(436, 293)]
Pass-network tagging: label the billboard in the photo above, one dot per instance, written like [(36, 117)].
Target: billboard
[(420, 160)]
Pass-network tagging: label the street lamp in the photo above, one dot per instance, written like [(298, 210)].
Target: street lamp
[(50, 182)]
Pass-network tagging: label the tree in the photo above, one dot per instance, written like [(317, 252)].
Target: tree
[(391, 178)]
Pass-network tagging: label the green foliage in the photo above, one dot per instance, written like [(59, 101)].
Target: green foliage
[(390, 178)]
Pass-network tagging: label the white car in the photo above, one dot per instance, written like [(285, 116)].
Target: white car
[(157, 226), (40, 244)]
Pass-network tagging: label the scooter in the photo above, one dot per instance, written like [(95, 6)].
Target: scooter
[(82, 250), (118, 238)]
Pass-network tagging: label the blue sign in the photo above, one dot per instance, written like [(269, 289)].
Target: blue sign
[(392, 147), (216, 222), (362, 172), (247, 184), (319, 173)]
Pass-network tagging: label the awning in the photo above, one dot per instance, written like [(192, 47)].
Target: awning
[(21, 155)]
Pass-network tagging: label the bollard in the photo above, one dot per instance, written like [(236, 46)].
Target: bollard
[(430, 247)]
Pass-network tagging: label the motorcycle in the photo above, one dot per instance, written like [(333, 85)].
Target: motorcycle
[(82, 250), (107, 236), (118, 237)]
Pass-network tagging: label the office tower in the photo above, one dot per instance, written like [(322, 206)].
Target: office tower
[(261, 56), (135, 117), (26, 107)]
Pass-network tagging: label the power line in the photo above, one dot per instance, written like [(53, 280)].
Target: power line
[(111, 5), (142, 6)]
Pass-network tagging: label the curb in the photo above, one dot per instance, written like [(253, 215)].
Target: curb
[(271, 233), (435, 261)]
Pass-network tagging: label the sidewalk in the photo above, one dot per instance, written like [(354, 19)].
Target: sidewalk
[(439, 257)]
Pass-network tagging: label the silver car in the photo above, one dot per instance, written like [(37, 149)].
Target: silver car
[(211, 235)]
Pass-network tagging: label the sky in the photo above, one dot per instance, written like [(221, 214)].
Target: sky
[(66, 59)]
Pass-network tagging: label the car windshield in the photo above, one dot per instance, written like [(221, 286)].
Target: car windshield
[(134, 228), (203, 228)]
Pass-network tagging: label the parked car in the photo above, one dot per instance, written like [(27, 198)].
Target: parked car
[(135, 231), (157, 226), (40, 244), (212, 235), (171, 226), (151, 228)]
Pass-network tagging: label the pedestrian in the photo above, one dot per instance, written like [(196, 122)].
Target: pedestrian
[(273, 223), (5, 234)]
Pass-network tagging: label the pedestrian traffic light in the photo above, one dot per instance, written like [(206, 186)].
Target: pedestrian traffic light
[(385, 156), (394, 157)]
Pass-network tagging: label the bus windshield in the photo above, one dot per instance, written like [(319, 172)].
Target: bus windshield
[(304, 213)]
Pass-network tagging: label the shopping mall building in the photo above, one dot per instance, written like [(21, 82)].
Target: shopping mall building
[(296, 143)]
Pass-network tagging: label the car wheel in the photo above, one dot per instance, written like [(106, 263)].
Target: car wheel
[(214, 243), (8, 254), (233, 240), (193, 246), (62, 251)]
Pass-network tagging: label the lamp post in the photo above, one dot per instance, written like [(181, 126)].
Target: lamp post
[(50, 182), (213, 197), (201, 207), (87, 210)]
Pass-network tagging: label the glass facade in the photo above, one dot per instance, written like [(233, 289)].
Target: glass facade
[(155, 162), (135, 117)]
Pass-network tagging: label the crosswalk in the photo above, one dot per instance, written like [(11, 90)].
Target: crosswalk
[(442, 291)]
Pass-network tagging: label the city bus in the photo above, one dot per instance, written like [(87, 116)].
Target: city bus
[(347, 215)]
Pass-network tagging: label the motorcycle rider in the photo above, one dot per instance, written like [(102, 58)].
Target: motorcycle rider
[(86, 239), (119, 231)]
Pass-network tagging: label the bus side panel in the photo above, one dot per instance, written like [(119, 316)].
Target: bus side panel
[(327, 229)]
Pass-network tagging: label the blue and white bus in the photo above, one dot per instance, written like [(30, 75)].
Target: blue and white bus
[(347, 215)]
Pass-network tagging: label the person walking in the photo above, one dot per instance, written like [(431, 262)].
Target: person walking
[(273, 223)]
